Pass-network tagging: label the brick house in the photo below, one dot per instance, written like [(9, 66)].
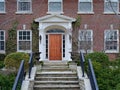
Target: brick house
[(99, 26)]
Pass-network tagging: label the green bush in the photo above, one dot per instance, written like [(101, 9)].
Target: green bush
[(13, 60), (6, 81), (1, 64), (118, 86), (98, 57), (2, 57)]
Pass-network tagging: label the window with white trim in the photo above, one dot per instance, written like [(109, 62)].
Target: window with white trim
[(55, 6), (2, 41), (86, 41), (111, 41), (24, 41), (85, 6), (111, 6), (2, 6), (24, 6)]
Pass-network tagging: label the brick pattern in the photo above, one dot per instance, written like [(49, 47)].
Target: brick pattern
[(98, 21)]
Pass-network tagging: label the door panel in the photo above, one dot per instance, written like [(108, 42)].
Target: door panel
[(55, 44)]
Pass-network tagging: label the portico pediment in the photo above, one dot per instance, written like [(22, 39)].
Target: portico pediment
[(55, 18)]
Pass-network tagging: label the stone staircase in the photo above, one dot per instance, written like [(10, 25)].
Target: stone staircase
[(56, 76)]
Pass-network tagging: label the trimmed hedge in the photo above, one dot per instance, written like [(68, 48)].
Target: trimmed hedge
[(13, 60), (98, 57)]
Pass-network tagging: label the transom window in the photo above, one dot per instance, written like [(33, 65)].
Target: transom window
[(2, 41), (24, 6), (2, 6), (86, 41), (24, 41), (111, 41), (85, 6), (111, 6), (54, 5)]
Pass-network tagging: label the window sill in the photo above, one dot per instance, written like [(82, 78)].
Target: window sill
[(85, 12), (2, 12), (25, 51), (20, 12), (110, 51), (2, 52), (55, 12), (88, 51), (112, 13)]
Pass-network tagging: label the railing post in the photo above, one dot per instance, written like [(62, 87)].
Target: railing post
[(92, 77), (30, 64), (20, 76), (82, 63)]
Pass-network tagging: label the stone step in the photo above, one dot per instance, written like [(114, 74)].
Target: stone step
[(56, 69), (56, 83), (56, 87), (56, 78), (70, 74), (55, 64)]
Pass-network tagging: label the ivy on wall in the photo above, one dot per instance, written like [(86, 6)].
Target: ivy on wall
[(35, 36), (11, 43)]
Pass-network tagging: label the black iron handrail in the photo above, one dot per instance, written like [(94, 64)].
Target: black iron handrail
[(82, 59), (20, 76), (30, 64), (92, 77)]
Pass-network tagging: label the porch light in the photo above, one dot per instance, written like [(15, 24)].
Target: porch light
[(24, 26), (70, 38), (40, 37), (85, 26), (111, 26)]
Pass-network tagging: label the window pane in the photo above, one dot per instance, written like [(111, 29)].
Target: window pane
[(2, 6), (24, 6), (24, 42), (54, 6), (111, 40), (111, 6), (85, 7), (85, 40), (24, 45), (1, 45)]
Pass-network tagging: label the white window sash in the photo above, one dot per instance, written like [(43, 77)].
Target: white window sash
[(85, 0), (18, 41), (24, 1), (2, 0), (105, 40), (3, 51), (111, 0), (91, 40), (54, 0)]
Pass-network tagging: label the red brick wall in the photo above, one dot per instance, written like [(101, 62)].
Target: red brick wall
[(98, 21)]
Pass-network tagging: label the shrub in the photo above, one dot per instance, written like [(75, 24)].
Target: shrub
[(118, 86), (2, 57), (1, 64), (13, 60), (6, 81), (98, 57)]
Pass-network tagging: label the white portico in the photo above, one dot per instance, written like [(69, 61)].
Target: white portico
[(55, 41)]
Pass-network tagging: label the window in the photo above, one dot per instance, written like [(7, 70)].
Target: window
[(111, 44), (24, 41), (111, 6), (2, 41), (24, 6), (86, 41), (2, 6), (54, 6), (85, 6)]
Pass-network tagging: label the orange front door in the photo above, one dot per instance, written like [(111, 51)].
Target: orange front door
[(55, 44)]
